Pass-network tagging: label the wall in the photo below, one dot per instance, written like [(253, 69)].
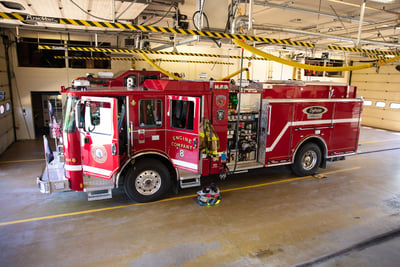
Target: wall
[(382, 86), (6, 125)]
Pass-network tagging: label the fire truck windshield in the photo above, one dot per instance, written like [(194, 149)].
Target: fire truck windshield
[(69, 125)]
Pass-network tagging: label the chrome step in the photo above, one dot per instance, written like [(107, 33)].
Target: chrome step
[(189, 179), (99, 193)]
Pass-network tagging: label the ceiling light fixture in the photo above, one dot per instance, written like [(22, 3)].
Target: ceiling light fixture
[(351, 4), (357, 5), (12, 5), (383, 1)]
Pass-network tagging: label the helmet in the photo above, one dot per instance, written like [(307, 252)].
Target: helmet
[(209, 196)]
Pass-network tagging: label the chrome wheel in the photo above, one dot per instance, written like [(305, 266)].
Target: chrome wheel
[(148, 182), (309, 160)]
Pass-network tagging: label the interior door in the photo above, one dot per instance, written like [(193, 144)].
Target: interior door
[(99, 137), (183, 119)]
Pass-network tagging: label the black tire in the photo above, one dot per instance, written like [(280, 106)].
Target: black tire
[(147, 181), (307, 161)]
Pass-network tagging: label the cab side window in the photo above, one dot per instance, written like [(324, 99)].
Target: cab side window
[(182, 114), (130, 81), (98, 117), (150, 113)]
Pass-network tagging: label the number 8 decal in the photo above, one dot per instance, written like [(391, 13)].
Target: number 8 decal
[(129, 82)]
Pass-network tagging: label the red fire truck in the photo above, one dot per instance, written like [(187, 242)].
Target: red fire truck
[(150, 139)]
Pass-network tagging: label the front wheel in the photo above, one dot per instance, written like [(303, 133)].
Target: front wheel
[(147, 181), (307, 160)]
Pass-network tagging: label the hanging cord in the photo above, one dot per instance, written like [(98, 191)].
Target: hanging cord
[(166, 14), (88, 13), (201, 12), (126, 9)]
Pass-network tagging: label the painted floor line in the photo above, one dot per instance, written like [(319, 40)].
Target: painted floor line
[(379, 141), (165, 200), (20, 161)]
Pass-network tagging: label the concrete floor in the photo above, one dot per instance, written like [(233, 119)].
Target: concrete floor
[(266, 218)]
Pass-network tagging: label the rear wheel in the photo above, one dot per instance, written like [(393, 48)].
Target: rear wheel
[(307, 161), (147, 181)]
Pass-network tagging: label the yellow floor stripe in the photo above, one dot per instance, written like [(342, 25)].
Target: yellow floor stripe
[(379, 141), (165, 200), (19, 161), (286, 180)]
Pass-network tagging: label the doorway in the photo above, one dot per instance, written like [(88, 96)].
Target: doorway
[(45, 104)]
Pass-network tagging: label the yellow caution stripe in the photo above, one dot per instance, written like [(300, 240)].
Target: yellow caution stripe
[(360, 50), (138, 51), (142, 28), (140, 59)]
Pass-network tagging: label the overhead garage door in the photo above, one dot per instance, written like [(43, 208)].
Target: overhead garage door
[(6, 121), (380, 90)]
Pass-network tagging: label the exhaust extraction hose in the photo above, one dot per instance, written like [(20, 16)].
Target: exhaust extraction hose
[(307, 66), (159, 68)]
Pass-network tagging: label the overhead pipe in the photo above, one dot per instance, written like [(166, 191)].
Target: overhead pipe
[(250, 23), (360, 23), (186, 41)]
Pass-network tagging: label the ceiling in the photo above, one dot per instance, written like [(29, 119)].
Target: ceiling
[(321, 22)]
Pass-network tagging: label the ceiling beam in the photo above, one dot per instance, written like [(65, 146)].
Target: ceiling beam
[(320, 35), (309, 11)]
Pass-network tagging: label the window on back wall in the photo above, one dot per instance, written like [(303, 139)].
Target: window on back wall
[(323, 63), (29, 55), (87, 60)]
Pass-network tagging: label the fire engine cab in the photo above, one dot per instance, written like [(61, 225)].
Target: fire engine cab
[(130, 78), (171, 133)]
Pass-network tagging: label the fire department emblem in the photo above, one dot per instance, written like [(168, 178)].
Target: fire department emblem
[(221, 100), (99, 154)]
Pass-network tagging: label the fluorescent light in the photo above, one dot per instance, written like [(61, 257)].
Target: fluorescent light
[(355, 5), (383, 1)]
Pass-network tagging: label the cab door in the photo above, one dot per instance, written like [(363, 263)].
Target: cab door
[(99, 136), (183, 119)]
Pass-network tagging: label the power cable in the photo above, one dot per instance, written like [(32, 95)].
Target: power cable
[(120, 14), (88, 13), (159, 19), (202, 14)]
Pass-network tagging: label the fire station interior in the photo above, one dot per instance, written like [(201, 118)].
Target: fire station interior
[(200, 133)]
